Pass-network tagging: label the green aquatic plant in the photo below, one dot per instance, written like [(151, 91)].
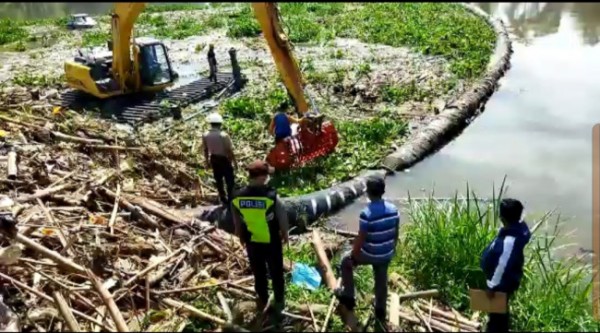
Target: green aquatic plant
[(11, 31), (95, 38), (436, 29), (441, 247), (243, 24)]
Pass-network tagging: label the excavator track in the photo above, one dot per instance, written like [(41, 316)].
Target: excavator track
[(141, 108)]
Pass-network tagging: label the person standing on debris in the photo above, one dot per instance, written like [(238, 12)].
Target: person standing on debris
[(375, 245), (218, 155), (261, 223), (502, 261), (281, 123), (212, 63)]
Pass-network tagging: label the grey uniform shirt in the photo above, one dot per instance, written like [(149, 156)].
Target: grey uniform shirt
[(217, 142)]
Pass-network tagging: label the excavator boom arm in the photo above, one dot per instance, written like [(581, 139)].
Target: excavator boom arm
[(123, 18), (268, 17)]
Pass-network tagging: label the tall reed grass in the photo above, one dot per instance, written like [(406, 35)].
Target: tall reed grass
[(442, 245)]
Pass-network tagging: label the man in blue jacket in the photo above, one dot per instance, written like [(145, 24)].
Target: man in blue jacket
[(502, 261)]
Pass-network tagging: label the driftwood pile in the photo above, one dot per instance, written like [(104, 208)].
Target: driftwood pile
[(93, 238)]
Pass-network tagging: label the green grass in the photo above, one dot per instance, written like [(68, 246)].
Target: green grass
[(441, 249)]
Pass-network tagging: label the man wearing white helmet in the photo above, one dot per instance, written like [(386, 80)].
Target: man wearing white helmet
[(218, 155)]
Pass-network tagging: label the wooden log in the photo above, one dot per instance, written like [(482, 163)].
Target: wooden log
[(12, 165), (113, 215), (347, 316), (421, 317), (52, 255), (456, 324), (193, 311), (108, 299), (225, 306), (419, 294), (345, 233), (75, 139), (48, 298), (450, 316), (130, 207), (156, 209), (65, 311), (44, 193), (394, 309), (151, 267), (51, 221), (303, 308), (329, 311), (106, 147), (312, 317)]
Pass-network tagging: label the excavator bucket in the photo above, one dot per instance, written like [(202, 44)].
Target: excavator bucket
[(304, 147)]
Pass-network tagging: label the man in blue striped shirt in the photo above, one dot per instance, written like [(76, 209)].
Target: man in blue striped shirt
[(375, 245)]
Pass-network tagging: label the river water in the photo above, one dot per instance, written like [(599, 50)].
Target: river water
[(536, 129)]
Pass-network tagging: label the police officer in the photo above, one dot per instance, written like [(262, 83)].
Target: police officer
[(218, 155), (261, 223)]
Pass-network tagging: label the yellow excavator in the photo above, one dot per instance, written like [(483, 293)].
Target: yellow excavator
[(143, 64), (135, 66)]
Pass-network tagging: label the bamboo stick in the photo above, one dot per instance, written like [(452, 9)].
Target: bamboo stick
[(394, 309), (107, 298), (65, 312), (43, 193), (47, 253), (419, 294), (113, 215), (348, 316), (48, 298), (225, 306), (150, 267), (12, 165), (130, 207)]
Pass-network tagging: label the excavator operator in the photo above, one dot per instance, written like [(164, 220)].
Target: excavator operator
[(281, 123)]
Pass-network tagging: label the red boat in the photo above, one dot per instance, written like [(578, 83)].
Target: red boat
[(308, 144)]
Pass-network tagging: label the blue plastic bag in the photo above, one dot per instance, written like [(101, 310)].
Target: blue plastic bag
[(306, 276)]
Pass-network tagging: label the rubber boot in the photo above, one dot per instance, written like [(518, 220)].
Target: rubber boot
[(347, 301), (260, 305), (380, 321), (277, 317)]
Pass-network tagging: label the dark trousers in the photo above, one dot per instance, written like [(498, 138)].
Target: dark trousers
[(499, 322), (262, 256), (380, 273), (213, 73), (222, 169)]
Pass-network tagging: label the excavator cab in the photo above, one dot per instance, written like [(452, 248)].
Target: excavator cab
[(155, 65)]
